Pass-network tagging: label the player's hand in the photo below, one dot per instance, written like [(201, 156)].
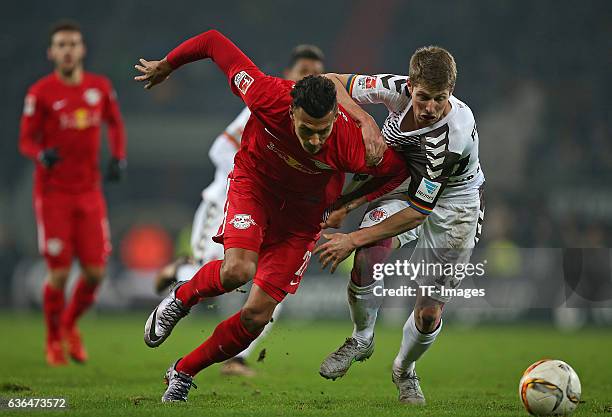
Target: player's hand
[(336, 250), (334, 217), (153, 72), (374, 142), (48, 157), (115, 170)]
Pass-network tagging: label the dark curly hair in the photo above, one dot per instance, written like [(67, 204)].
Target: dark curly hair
[(315, 94)]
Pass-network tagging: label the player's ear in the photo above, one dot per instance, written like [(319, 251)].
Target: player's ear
[(49, 56), (409, 86)]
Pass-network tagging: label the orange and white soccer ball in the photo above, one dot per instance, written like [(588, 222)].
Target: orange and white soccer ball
[(550, 388)]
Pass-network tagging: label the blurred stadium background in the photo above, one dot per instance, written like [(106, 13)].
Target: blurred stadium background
[(535, 73)]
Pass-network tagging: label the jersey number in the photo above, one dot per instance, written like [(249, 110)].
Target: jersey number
[(302, 269)]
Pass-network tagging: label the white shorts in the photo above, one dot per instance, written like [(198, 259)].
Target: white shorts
[(206, 221), (447, 236)]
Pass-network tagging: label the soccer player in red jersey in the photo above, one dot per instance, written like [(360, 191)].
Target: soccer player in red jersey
[(295, 149), (60, 132)]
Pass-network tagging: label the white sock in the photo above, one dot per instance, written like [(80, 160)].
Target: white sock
[(364, 306), (245, 353), (414, 345), (186, 271)]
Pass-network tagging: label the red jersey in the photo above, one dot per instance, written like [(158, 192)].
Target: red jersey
[(270, 151), (68, 117)]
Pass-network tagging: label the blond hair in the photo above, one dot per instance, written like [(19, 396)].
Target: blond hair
[(434, 68)]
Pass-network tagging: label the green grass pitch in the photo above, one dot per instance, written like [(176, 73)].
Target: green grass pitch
[(468, 372)]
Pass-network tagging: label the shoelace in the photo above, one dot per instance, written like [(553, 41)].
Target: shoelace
[(344, 351), (410, 382), (179, 386), (170, 315)]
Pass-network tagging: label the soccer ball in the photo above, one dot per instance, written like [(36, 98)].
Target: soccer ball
[(550, 388)]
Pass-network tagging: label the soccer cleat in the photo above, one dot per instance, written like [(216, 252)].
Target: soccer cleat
[(179, 384), (409, 388), (55, 354), (337, 364), (163, 319), (76, 350), (237, 367), (166, 277)]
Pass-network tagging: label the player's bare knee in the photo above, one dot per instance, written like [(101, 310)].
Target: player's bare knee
[(427, 318), (255, 319), (235, 273), (58, 278), (94, 275)]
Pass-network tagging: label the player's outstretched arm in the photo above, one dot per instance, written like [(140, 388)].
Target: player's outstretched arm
[(245, 79), (341, 245), (372, 138)]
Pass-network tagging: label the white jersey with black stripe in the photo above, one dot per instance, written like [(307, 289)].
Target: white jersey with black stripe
[(442, 158)]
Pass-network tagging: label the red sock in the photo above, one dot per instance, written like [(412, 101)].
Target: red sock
[(83, 297), (53, 305), (205, 283), (229, 338)]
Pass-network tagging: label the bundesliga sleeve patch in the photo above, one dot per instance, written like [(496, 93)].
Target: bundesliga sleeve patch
[(243, 81), (367, 82), (428, 190), (29, 105)]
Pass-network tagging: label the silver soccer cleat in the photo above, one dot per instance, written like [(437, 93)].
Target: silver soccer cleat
[(179, 384), (163, 319), (337, 364), (409, 388)]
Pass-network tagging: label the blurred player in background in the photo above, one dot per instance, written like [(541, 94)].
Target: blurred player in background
[(60, 132), (305, 60), (441, 205), (295, 149)]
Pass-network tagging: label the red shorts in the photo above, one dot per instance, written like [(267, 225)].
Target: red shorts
[(72, 225), (282, 232)]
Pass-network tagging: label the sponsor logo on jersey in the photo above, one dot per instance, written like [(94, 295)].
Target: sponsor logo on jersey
[(291, 161), (428, 190), (92, 96), (243, 81), (242, 221), (320, 164), (29, 105), (378, 214), (80, 119)]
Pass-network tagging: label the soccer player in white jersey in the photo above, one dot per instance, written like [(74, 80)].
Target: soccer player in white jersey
[(441, 205), (305, 60)]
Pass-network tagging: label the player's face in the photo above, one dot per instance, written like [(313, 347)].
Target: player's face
[(303, 68), (66, 51), (428, 105), (311, 131)]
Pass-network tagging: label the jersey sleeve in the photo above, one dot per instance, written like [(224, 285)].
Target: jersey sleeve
[(32, 118), (246, 80), (226, 145), (114, 122), (234, 130), (391, 170), (388, 89)]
